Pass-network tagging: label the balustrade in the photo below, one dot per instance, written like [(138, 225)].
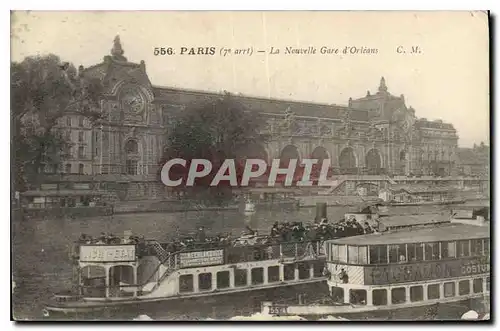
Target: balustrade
[(249, 253)]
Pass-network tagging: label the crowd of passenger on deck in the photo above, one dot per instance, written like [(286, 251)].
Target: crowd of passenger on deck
[(319, 231), (109, 239), (280, 232)]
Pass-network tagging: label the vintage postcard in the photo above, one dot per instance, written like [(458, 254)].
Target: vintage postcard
[(205, 166)]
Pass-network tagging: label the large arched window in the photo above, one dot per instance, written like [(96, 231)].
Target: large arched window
[(320, 154), (288, 153), (131, 151), (347, 159)]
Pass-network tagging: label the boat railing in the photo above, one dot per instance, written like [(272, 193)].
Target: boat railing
[(168, 260), (159, 251), (240, 253), (296, 251)]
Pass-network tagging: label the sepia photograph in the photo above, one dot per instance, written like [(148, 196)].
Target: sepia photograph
[(250, 166)]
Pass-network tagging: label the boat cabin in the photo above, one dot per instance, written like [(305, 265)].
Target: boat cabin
[(422, 265)]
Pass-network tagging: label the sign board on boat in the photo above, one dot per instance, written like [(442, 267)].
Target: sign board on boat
[(415, 272), (278, 310), (118, 253), (201, 258)]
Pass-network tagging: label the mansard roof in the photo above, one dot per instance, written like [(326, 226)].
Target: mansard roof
[(179, 96), (437, 124), (113, 65)]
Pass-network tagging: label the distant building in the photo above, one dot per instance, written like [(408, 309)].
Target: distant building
[(474, 161), (415, 193), (79, 155), (374, 134)]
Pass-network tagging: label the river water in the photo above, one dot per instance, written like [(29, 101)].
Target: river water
[(41, 248)]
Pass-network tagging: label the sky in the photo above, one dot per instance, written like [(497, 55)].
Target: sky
[(448, 79)]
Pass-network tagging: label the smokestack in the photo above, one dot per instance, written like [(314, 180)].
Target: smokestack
[(320, 211)]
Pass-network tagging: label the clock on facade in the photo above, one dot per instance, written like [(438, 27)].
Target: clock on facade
[(405, 125), (408, 122), (132, 100)]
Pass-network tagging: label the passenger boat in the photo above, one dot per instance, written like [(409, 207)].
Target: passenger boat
[(437, 271), (123, 275)]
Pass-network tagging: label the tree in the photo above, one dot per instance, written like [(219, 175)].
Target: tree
[(44, 89), (217, 130)]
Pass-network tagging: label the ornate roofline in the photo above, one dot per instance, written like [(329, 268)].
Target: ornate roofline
[(244, 96)]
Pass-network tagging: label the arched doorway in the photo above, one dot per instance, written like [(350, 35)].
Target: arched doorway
[(347, 161), (288, 153), (320, 154), (373, 162), (132, 157)]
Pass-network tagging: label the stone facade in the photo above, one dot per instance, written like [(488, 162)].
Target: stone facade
[(375, 134)]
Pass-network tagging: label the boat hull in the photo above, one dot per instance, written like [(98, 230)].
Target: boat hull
[(228, 305), (213, 305), (441, 311)]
